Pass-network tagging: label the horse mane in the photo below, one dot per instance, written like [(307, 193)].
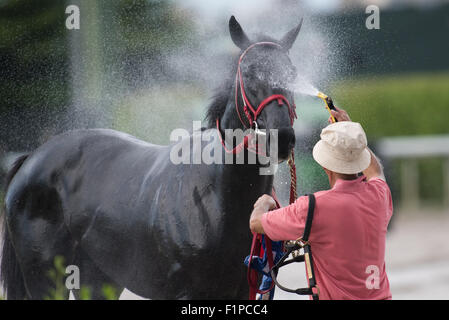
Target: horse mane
[(220, 98), (217, 107)]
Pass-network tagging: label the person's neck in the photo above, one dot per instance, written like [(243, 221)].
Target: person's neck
[(333, 177)]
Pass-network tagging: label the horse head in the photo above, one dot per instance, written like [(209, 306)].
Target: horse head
[(260, 97)]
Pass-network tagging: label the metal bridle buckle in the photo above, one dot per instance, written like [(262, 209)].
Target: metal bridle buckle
[(298, 242), (257, 131)]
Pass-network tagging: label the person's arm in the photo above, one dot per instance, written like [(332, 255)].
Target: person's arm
[(263, 204), (375, 169)]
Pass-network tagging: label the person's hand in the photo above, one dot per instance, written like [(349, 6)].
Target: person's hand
[(339, 114), (266, 203), (263, 204)]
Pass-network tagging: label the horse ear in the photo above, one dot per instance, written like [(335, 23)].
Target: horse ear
[(238, 36), (288, 40)]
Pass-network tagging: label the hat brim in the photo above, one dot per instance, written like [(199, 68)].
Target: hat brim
[(322, 155)]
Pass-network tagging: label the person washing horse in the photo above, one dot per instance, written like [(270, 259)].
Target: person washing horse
[(350, 219)]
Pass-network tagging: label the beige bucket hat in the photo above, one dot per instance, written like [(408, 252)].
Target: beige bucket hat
[(343, 148)]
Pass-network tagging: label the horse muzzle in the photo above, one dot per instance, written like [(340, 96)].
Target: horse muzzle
[(286, 142), (278, 142)]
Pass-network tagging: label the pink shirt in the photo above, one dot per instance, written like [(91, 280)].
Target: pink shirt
[(347, 237)]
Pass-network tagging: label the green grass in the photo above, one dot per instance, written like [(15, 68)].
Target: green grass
[(410, 104), (60, 291)]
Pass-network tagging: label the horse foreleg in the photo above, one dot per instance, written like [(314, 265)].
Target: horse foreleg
[(94, 282)]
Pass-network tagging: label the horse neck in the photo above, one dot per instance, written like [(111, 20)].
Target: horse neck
[(247, 177), (243, 183)]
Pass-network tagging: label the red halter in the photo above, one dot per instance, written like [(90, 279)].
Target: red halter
[(247, 107), (250, 112)]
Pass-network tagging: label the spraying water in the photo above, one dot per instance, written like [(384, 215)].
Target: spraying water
[(114, 92), (303, 86)]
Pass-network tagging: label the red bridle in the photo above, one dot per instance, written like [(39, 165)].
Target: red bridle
[(247, 107), (250, 144), (251, 112)]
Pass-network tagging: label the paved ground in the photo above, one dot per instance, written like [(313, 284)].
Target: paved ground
[(417, 259)]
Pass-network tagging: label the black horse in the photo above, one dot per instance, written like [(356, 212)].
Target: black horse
[(121, 211)]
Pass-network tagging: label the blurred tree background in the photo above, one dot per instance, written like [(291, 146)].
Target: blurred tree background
[(122, 77), (145, 67), (396, 83), (34, 70), (45, 68), (53, 79)]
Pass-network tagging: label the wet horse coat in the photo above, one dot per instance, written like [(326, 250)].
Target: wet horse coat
[(161, 232), (118, 208)]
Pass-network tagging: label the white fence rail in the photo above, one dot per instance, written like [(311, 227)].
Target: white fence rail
[(410, 150)]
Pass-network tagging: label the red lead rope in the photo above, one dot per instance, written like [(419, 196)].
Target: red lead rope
[(256, 246)]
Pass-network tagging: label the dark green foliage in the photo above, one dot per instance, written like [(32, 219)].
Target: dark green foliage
[(117, 40), (33, 69)]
